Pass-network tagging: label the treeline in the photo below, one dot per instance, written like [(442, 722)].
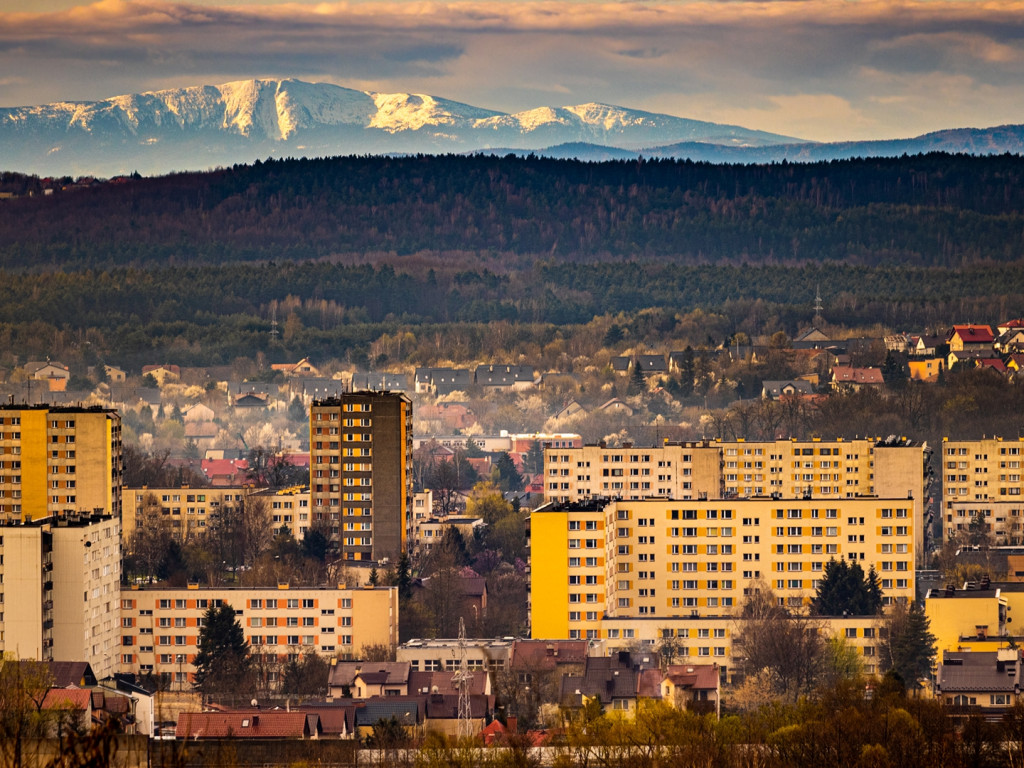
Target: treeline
[(931, 210), (195, 315)]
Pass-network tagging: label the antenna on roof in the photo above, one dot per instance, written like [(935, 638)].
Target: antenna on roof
[(817, 306), (462, 679)]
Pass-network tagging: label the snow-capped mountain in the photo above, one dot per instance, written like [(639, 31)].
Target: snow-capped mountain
[(204, 126)]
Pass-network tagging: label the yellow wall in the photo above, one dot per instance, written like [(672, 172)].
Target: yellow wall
[(33, 464), (953, 618), (549, 568)]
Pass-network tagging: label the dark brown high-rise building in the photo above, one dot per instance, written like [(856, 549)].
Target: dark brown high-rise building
[(360, 471)]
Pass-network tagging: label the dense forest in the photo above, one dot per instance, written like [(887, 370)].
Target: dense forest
[(196, 267)]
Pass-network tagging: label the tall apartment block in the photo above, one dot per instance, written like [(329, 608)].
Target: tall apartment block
[(713, 469), (61, 590), (57, 461), (360, 471), (983, 479), (638, 569)]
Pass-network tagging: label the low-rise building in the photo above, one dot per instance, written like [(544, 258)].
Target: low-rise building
[(161, 625)]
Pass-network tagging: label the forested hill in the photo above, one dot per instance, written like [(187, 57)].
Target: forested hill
[(931, 210)]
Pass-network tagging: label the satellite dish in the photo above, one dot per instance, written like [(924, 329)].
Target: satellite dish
[(253, 702)]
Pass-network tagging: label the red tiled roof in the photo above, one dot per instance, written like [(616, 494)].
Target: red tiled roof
[(991, 362), (67, 698), (973, 334), (846, 374), (254, 724), (694, 676)]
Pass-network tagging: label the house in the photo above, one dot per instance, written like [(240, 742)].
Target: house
[(504, 376), (621, 364), (925, 346), (301, 368), (441, 381), (984, 679), (442, 712), (773, 390), (337, 719), (615, 405), (251, 399), (926, 369), (1015, 362), (248, 724), (226, 472), (651, 363), (569, 410), (41, 371), (198, 413), (897, 342), (364, 679), (965, 337), (1012, 340), (202, 433), (969, 357), (162, 373), (689, 686), (1009, 325), (812, 338), (846, 377), (380, 382), (409, 711), (423, 682), (613, 680), (452, 416), (114, 373), (991, 363)]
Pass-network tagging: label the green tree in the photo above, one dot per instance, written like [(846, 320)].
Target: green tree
[(845, 590), (508, 476), (403, 578), (637, 382), (908, 648), (533, 461), (223, 664)]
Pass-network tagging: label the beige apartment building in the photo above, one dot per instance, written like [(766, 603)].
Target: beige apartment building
[(713, 469), (659, 563), (983, 479), (59, 461), (60, 581), (160, 627), (190, 512), (361, 472)]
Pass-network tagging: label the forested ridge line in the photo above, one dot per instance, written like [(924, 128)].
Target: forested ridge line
[(928, 210)]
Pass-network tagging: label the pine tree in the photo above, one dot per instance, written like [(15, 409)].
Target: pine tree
[(909, 648), (637, 383), (404, 577), (223, 663), (845, 590)]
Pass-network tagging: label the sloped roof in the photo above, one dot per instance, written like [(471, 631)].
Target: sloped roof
[(68, 698), (978, 671), (848, 375), (446, 706), (407, 710), (972, 334), (547, 654), (391, 672), (250, 724), (699, 677), (423, 682)]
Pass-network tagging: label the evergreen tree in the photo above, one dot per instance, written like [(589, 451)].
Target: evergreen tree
[(909, 648), (296, 410), (687, 372), (374, 577), (845, 590), (637, 382), (223, 664), (404, 577), (533, 461), (508, 476)]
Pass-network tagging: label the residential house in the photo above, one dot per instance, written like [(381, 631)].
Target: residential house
[(1009, 325), (41, 371), (380, 382), (248, 724), (613, 680), (410, 712), (1010, 341), (162, 373), (926, 369), (115, 374), (300, 369), (651, 364), (773, 390), (690, 686), (569, 410), (846, 377), (441, 381), (504, 376), (967, 337), (425, 682), (621, 364), (442, 712), (615, 405), (925, 346), (812, 338), (897, 342), (363, 679), (969, 357), (984, 679), (198, 412)]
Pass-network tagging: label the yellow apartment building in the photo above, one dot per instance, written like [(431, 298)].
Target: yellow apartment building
[(983, 479), (977, 617), (60, 582), (814, 469), (160, 627), (190, 512), (59, 461), (664, 560)]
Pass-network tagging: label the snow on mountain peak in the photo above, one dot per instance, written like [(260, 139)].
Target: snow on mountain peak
[(413, 111)]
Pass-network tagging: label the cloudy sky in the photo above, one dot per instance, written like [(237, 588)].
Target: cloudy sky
[(816, 69)]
